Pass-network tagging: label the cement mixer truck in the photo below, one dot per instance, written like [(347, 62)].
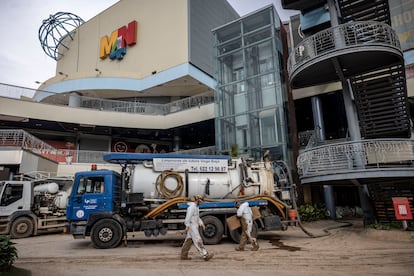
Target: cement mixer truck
[(33, 207), (151, 192)]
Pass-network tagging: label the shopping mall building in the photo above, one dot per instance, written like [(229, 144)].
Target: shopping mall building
[(328, 92)]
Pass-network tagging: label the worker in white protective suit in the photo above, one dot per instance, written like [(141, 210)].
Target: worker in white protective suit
[(192, 223), (244, 213)]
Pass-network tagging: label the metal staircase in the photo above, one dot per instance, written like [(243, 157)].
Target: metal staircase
[(381, 94), (381, 102), (382, 105), (382, 194), (365, 10), (364, 51)]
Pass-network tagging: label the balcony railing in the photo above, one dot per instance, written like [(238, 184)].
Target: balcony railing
[(205, 98), (342, 37), (355, 156), (23, 140), (147, 108)]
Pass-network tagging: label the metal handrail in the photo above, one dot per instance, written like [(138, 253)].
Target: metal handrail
[(12, 91), (147, 108), (342, 37), (305, 137), (356, 156), (24, 140)]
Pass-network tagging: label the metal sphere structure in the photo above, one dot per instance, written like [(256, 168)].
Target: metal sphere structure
[(56, 31)]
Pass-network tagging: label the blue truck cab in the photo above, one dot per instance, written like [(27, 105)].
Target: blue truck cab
[(95, 195)]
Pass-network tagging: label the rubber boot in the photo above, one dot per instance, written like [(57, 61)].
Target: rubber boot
[(208, 257), (185, 249), (255, 246)]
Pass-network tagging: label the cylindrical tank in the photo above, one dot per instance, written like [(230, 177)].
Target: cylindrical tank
[(61, 200), (212, 185), (51, 188)]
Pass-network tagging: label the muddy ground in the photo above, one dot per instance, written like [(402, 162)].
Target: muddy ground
[(347, 250)]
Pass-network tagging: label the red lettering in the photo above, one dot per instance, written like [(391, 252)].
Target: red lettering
[(129, 35)]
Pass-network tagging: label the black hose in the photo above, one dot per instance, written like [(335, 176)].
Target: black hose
[(326, 230), (294, 205)]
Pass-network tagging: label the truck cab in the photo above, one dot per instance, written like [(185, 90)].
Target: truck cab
[(15, 203), (31, 207), (15, 196), (95, 195)]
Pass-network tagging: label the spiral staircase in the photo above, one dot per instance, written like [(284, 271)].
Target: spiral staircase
[(380, 94), (364, 51)]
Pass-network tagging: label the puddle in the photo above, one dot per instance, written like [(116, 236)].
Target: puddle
[(281, 245)]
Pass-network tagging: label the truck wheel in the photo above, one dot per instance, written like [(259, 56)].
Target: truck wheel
[(214, 230), (236, 234), (21, 228), (106, 233)]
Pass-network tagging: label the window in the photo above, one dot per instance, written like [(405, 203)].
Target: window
[(268, 128), (91, 185), (12, 193)]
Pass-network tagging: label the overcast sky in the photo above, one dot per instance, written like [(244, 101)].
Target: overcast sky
[(22, 59)]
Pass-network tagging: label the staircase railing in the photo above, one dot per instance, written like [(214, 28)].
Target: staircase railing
[(356, 156), (341, 37)]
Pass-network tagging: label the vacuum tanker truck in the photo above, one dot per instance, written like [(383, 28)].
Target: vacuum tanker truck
[(151, 192)]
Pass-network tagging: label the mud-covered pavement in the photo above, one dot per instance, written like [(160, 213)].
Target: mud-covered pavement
[(349, 250)]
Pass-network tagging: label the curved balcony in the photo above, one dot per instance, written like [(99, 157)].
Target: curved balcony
[(354, 48), (364, 160), (206, 98)]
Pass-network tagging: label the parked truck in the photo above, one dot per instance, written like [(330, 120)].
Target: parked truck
[(151, 192), (32, 207)]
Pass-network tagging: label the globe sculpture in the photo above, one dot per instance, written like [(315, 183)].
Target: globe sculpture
[(56, 31)]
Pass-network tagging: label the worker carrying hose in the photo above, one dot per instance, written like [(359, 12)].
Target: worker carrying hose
[(192, 223), (244, 213)]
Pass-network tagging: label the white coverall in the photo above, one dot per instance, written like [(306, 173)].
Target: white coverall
[(193, 222), (245, 213)]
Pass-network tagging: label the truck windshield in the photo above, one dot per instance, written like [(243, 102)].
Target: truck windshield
[(91, 185), (11, 193)]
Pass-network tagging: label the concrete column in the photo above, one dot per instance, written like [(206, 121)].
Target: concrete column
[(351, 113), (329, 201), (317, 111), (353, 126), (74, 100), (333, 12), (355, 135), (367, 208), (177, 143), (320, 132)]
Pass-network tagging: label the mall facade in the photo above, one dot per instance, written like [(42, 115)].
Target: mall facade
[(328, 92)]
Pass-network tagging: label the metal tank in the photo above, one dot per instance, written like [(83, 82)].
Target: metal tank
[(160, 181), (51, 188)]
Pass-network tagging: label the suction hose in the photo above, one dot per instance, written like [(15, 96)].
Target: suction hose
[(166, 192), (295, 207)]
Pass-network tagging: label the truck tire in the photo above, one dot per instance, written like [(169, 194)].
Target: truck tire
[(236, 234), (22, 227), (213, 233), (106, 233)]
